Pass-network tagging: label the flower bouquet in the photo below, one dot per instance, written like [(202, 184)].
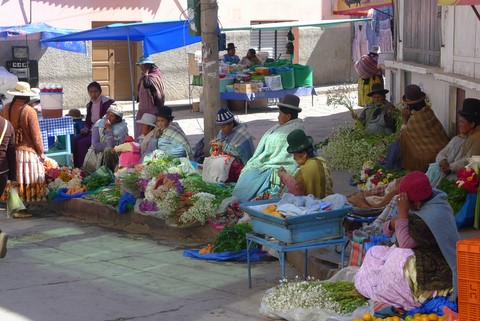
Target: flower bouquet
[(63, 177), (372, 176)]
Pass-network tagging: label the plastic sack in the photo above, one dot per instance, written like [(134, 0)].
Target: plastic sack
[(14, 202), (300, 314), (466, 215), (63, 196)]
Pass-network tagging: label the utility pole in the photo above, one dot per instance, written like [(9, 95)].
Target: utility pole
[(211, 83)]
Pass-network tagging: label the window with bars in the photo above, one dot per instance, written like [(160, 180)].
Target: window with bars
[(272, 41)]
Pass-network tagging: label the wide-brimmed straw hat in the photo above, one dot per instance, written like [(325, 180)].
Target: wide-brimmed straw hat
[(377, 89), (291, 102), (413, 95), (148, 119), (298, 141), (22, 88), (75, 113)]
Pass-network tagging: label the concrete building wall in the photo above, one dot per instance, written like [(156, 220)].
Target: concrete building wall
[(327, 50)]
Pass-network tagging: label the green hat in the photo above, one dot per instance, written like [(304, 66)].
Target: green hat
[(298, 141)]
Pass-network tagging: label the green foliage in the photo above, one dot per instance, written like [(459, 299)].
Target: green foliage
[(232, 238), (456, 196), (344, 96), (349, 148), (109, 195), (195, 184)]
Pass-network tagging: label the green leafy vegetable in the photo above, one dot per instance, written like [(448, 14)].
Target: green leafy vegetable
[(232, 238)]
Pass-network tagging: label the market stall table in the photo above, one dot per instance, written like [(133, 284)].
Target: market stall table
[(249, 96), (282, 248), (52, 127)]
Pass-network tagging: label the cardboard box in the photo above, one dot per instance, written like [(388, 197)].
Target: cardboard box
[(323, 225), (193, 67), (245, 87)]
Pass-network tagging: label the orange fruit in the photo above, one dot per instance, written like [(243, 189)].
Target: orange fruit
[(396, 318), (417, 315), (367, 317), (357, 319), (424, 318), (378, 319), (432, 317)]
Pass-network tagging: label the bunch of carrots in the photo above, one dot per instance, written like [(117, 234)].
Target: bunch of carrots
[(75, 190)]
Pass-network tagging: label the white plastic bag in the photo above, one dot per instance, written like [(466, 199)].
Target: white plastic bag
[(274, 82), (14, 202)]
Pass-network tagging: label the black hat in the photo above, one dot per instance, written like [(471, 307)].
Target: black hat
[(377, 89), (298, 141), (291, 102), (165, 112), (471, 109), (413, 95), (231, 45)]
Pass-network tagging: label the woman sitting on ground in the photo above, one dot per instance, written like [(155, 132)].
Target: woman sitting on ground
[(96, 108), (379, 115), (260, 172), (147, 139), (313, 177), (423, 262), (171, 138), (108, 132), (461, 147), (233, 139)]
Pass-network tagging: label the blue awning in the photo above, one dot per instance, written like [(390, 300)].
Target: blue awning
[(46, 31), (157, 36)]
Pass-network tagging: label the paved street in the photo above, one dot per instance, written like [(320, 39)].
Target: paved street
[(60, 269)]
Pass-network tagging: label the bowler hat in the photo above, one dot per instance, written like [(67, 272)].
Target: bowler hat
[(375, 50), (471, 109), (165, 112), (75, 113), (413, 95), (145, 60), (377, 89), (291, 102), (231, 45), (298, 141)]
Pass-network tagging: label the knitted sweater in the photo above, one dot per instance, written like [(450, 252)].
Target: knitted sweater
[(28, 122)]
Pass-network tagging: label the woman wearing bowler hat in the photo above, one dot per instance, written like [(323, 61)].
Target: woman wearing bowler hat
[(461, 147), (260, 173), (422, 136), (171, 138), (313, 177), (230, 57), (379, 115)]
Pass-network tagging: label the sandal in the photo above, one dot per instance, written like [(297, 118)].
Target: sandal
[(22, 214)]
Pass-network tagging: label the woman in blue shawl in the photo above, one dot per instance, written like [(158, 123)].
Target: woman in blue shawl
[(233, 139), (259, 174)]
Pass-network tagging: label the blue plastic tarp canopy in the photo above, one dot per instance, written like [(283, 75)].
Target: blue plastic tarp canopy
[(45, 31), (157, 36)]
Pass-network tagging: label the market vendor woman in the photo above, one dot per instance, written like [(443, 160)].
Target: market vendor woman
[(260, 173), (313, 177), (423, 263), (171, 138), (233, 139)]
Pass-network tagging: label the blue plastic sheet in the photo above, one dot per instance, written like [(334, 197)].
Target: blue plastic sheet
[(434, 305), (63, 196), (238, 256), (466, 215), (375, 240)]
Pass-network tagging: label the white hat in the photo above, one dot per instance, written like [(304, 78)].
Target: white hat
[(22, 88), (117, 110), (148, 119), (375, 49)]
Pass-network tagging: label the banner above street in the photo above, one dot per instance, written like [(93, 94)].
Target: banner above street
[(356, 7), (457, 2)]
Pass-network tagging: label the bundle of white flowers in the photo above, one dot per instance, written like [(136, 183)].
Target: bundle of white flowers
[(202, 209)]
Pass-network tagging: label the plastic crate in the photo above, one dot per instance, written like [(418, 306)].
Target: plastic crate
[(323, 225), (468, 271)]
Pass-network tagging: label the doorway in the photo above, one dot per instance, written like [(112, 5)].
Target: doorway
[(110, 65)]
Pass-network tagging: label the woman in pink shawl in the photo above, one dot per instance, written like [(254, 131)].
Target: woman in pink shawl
[(151, 91)]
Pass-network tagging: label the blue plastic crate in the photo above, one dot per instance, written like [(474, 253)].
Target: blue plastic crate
[(304, 228)]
